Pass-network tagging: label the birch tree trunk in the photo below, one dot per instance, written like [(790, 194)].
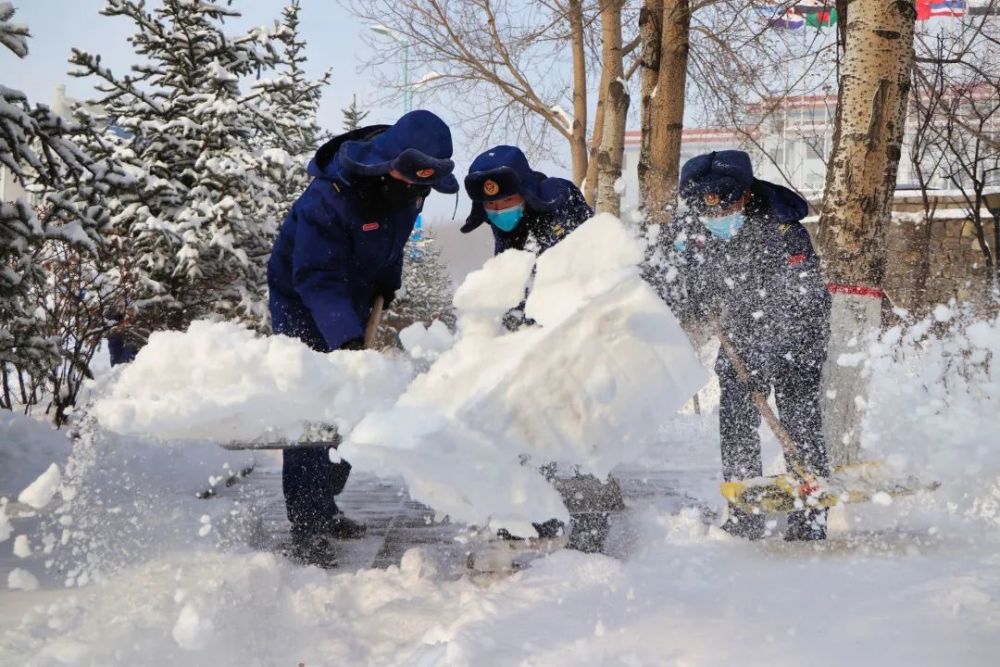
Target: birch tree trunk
[(590, 183), (578, 140), (651, 34), (857, 203), (663, 112), (612, 146)]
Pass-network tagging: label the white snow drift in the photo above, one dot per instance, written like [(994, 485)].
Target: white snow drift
[(222, 382)]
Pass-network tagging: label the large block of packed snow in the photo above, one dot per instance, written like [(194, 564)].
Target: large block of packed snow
[(590, 384)]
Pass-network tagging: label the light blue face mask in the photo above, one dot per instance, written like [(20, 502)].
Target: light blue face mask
[(725, 227), (506, 219)]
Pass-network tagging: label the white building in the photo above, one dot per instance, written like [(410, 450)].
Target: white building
[(789, 140)]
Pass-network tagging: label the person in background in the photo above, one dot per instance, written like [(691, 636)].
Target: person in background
[(745, 261), (121, 348), (342, 245)]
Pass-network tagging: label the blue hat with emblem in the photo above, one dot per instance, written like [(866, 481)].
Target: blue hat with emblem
[(716, 179), (418, 146), (503, 171)]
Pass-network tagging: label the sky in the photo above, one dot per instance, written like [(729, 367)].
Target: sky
[(334, 41)]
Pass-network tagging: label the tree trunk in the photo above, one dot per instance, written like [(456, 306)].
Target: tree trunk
[(651, 34), (612, 147), (857, 203), (590, 183), (663, 119), (578, 142)]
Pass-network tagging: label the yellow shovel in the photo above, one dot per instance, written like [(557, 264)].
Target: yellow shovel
[(799, 488)]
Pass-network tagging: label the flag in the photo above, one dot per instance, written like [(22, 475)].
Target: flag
[(817, 13), (788, 20), (928, 9)]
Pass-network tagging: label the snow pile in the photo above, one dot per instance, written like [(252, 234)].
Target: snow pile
[(426, 342), (27, 448), (5, 528), (39, 493), (933, 409), (590, 384), (220, 381), (689, 596), (23, 580)]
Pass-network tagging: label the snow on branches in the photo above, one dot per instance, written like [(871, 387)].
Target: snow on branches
[(206, 147)]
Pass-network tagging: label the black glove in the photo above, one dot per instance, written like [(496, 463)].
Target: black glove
[(353, 344), (388, 296), (515, 318)]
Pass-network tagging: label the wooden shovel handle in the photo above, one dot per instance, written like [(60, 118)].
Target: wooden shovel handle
[(373, 321), (787, 444)]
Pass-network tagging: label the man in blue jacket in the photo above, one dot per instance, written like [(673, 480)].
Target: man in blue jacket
[(526, 209), (340, 247), (745, 260)]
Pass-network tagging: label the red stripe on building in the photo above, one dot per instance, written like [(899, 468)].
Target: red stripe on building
[(855, 290)]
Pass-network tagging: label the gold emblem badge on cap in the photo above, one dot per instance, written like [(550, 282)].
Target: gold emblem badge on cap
[(425, 173), (490, 188), (712, 199)]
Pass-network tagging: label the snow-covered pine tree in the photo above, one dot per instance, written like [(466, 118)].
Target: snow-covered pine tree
[(194, 242), (353, 115), (291, 100), (59, 216), (427, 289)]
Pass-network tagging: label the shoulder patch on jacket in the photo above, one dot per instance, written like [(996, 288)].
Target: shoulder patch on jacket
[(369, 227)]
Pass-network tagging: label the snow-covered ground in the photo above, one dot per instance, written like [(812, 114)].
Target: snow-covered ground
[(123, 566)]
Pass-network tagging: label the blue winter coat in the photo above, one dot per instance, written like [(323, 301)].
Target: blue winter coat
[(765, 284), (329, 260)]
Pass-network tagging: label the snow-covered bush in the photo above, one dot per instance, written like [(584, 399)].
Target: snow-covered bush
[(48, 239), (427, 289)]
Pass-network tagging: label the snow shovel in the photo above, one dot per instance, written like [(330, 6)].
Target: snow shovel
[(799, 488), (317, 435)]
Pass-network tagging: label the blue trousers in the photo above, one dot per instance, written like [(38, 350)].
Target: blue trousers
[(797, 394), (310, 482)]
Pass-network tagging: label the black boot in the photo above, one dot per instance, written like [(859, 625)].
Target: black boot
[(744, 524), (311, 549), (589, 532), (806, 525), (546, 531), (550, 529), (341, 527)]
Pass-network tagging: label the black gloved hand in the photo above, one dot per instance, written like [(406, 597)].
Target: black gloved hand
[(353, 344), (388, 296), (515, 318)]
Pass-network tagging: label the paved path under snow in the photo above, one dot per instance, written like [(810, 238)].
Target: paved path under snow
[(397, 523)]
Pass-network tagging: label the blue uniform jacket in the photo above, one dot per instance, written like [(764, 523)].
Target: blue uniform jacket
[(765, 284), (330, 261), (546, 227)]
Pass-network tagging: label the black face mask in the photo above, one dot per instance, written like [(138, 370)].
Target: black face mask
[(384, 194)]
